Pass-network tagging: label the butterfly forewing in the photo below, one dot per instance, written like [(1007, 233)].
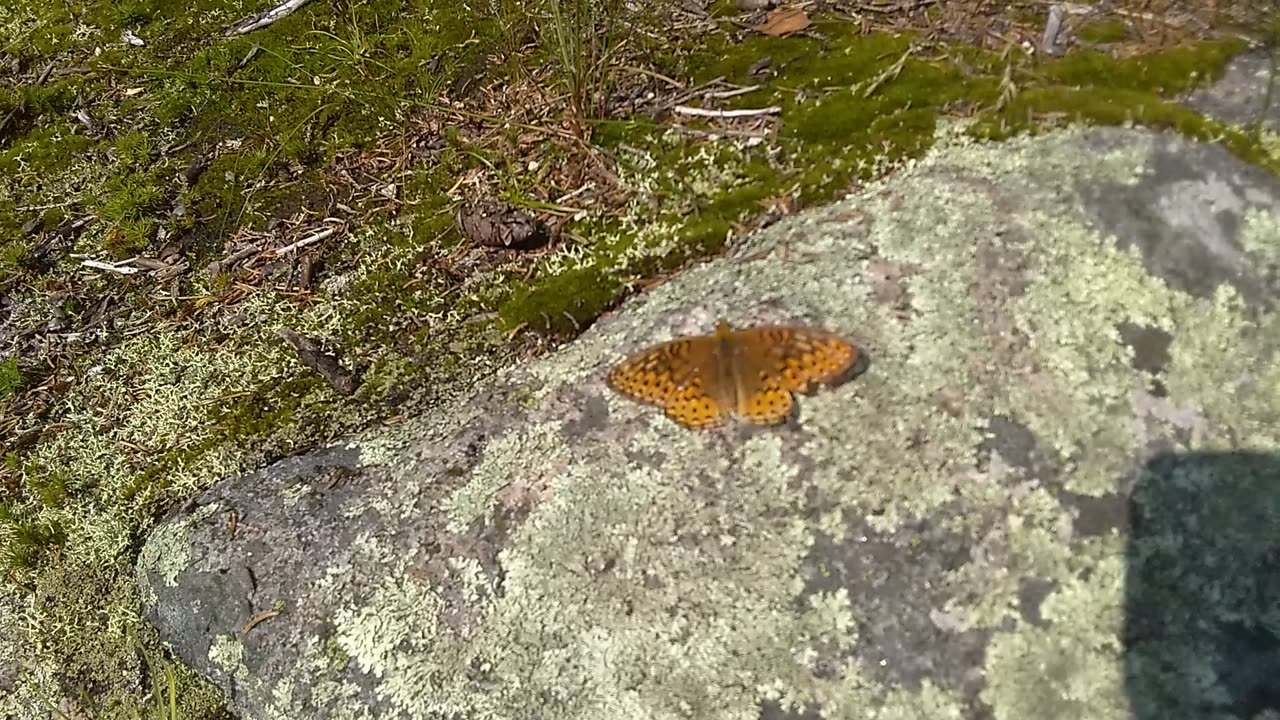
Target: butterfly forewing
[(674, 376), (779, 360), (803, 357)]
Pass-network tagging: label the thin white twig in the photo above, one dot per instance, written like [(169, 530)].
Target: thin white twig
[(260, 21), (702, 112), (722, 94), (110, 267), (308, 240)]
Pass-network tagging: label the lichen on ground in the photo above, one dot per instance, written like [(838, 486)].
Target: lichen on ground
[(190, 384)]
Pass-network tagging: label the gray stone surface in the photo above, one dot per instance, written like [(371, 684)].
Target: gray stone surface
[(1054, 493), (1239, 97)]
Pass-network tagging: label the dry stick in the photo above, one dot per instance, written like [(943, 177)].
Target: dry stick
[(690, 93), (253, 621), (240, 254), (266, 18), (702, 112), (309, 240), (722, 132), (657, 76), (109, 267), (1049, 42), (722, 94)]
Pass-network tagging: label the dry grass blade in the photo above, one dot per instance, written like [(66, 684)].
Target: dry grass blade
[(888, 74)]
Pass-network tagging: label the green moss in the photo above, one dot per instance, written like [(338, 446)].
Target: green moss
[(10, 378), (257, 414), (28, 540), (1163, 73), (44, 152), (50, 487), (13, 257), (560, 302), (852, 106), (801, 62), (1104, 30), (1039, 108)]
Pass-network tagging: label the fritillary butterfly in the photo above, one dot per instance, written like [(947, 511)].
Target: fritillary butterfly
[(750, 373)]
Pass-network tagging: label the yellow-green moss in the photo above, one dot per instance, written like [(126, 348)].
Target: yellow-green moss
[(1104, 30), (10, 378), (1163, 73), (1040, 108)]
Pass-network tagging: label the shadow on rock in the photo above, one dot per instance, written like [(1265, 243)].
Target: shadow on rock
[(1202, 589)]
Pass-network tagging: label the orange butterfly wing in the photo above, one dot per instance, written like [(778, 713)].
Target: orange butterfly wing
[(673, 376), (779, 360), (770, 363)]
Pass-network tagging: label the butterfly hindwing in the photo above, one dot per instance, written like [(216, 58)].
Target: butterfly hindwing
[(695, 408), (770, 405)]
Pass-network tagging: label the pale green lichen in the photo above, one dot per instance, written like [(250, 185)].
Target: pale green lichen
[(293, 494), (282, 693), (473, 502), (1069, 403), (1260, 236), (227, 652), (667, 580), (168, 552), (1073, 668), (1214, 361), (399, 615)]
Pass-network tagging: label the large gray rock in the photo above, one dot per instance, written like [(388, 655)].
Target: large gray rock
[(1035, 503), (1240, 96)]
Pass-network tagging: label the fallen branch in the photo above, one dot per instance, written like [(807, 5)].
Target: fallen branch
[(217, 266), (723, 132), (314, 357), (702, 112), (262, 20)]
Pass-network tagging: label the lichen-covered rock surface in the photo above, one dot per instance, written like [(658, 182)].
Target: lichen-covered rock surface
[(1054, 492), (1240, 96)]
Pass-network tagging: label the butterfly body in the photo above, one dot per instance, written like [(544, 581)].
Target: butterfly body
[(751, 373)]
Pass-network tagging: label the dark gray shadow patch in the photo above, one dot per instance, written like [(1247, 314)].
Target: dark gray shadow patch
[(1150, 348), (1031, 594), (1202, 587), (772, 710), (893, 588), (1017, 446), (1092, 516)]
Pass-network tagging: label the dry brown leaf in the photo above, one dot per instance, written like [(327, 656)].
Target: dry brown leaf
[(784, 21)]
